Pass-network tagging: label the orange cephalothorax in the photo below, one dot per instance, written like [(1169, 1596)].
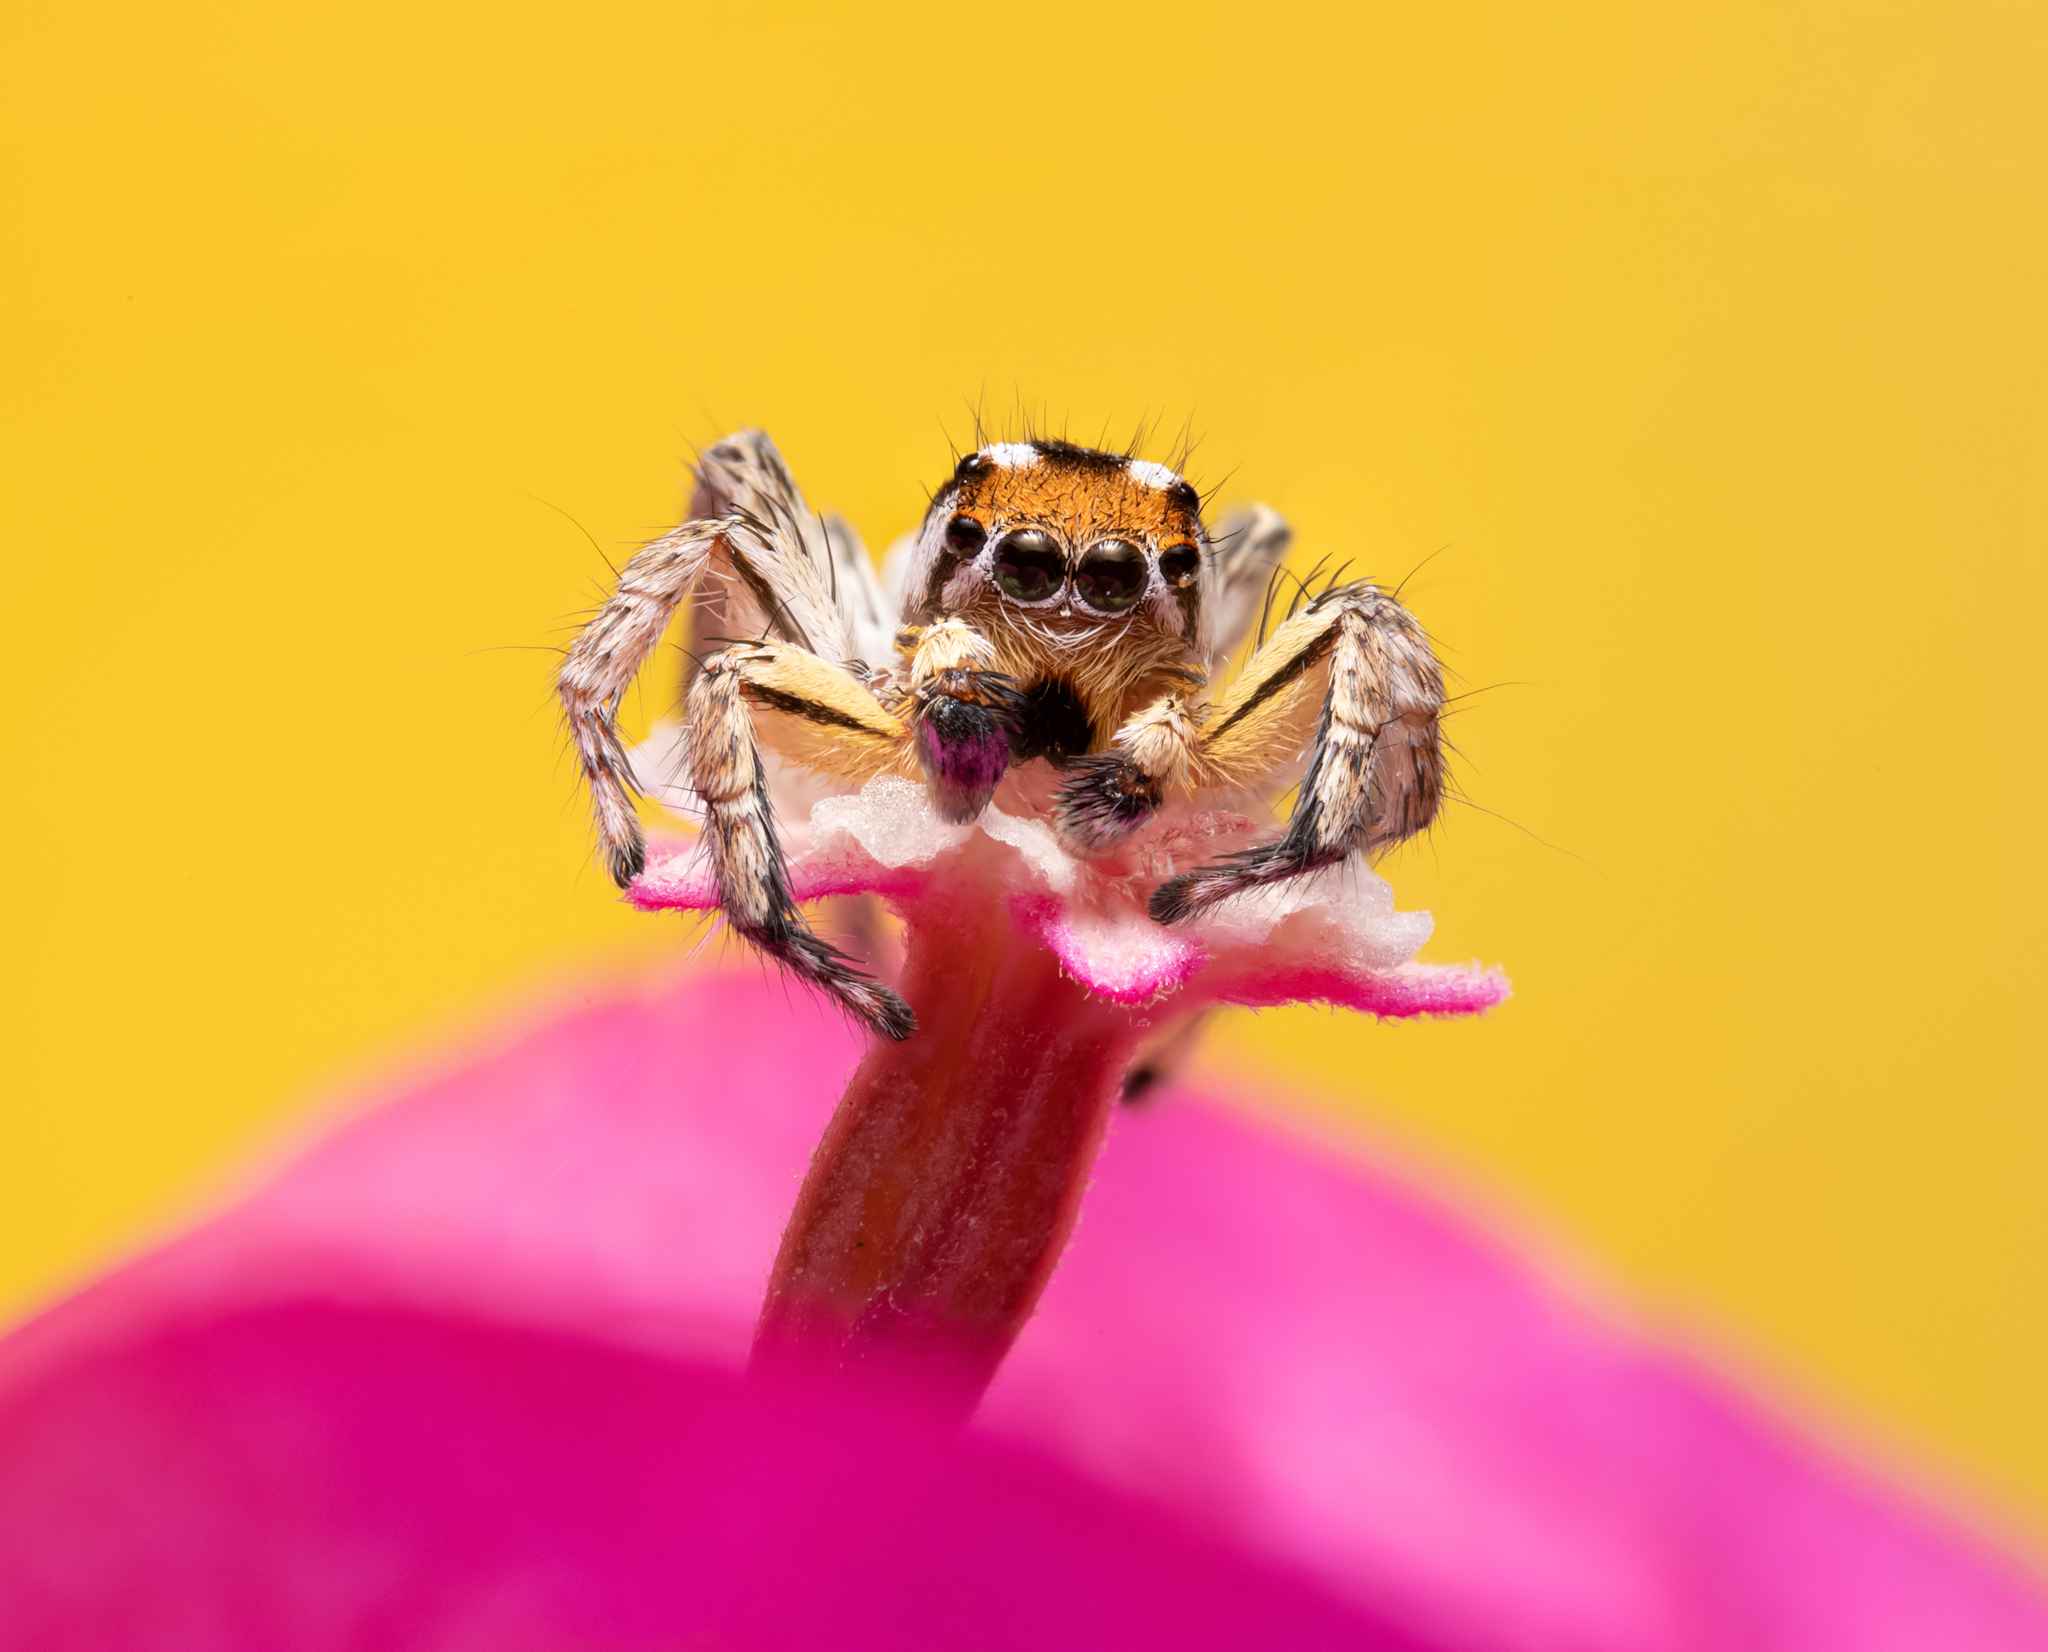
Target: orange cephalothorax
[(1089, 493), (1069, 533)]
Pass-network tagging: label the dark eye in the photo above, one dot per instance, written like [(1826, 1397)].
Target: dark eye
[(1178, 565), (1111, 576), (964, 536), (1028, 565)]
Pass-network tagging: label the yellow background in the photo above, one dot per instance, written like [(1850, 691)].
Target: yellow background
[(1705, 344)]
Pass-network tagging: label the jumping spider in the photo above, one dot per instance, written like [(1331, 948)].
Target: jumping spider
[(1059, 605)]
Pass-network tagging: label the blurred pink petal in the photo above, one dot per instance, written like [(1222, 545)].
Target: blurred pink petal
[(309, 1474), (461, 1376)]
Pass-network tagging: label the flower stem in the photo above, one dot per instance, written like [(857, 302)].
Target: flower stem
[(944, 1189)]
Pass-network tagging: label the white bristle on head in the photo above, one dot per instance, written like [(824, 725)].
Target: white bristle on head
[(1152, 473), (1010, 455)]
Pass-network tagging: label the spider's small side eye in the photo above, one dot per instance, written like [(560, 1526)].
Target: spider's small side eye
[(1028, 565), (1178, 565), (1111, 576), (965, 536)]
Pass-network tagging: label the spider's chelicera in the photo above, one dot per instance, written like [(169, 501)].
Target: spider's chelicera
[(1059, 607)]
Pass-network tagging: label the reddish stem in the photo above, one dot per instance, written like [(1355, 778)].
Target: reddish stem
[(947, 1182)]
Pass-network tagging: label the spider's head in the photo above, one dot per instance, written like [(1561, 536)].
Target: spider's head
[(1072, 537)]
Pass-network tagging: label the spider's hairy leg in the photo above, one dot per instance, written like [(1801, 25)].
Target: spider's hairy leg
[(1251, 543), (825, 718), (601, 666), (1356, 667), (1109, 794), (768, 567), (964, 712)]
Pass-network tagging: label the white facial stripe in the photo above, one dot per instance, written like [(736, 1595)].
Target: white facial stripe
[(1151, 473), (1011, 455)]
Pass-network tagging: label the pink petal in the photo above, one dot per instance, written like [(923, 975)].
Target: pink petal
[(1405, 990), (1121, 956), (678, 878), (453, 1379), (303, 1475), (1333, 939)]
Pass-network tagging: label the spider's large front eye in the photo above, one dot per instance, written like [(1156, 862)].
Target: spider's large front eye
[(1028, 565), (1111, 576)]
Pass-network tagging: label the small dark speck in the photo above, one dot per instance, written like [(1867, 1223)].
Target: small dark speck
[(1139, 1083)]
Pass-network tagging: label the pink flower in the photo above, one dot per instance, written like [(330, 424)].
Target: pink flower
[(947, 1182), (1334, 938), (464, 1376)]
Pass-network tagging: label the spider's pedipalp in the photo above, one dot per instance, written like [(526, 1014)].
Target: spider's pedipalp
[(1110, 794), (966, 715), (1105, 798)]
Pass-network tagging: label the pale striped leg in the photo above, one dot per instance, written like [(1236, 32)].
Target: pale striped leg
[(825, 718), (601, 666), (609, 652), (1352, 680)]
